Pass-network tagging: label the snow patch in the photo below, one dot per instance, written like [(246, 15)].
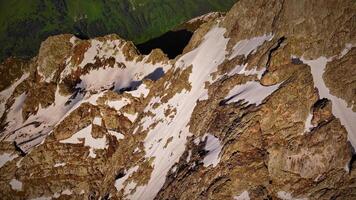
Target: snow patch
[(72, 40), (6, 157), (118, 104), (308, 123), (119, 183), (241, 69), (42, 198), (121, 75), (242, 196), (339, 106), (213, 147), (287, 196), (16, 185), (348, 47), (142, 90), (5, 94), (97, 121), (67, 192), (59, 164), (189, 155), (118, 136), (252, 92), (37, 126), (93, 143), (131, 117), (130, 187), (245, 47)]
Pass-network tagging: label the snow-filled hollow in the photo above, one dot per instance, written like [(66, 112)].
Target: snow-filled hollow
[(339, 106)]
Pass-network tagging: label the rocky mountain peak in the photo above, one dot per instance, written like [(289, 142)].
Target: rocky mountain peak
[(260, 105)]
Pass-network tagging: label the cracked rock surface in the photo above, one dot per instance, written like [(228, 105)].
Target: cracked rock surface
[(260, 105)]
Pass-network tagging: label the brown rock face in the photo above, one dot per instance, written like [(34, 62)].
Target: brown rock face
[(250, 110), (340, 77)]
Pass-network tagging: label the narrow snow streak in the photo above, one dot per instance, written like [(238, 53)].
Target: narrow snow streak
[(287, 196), (241, 69), (339, 106), (308, 123), (6, 157), (247, 46), (118, 135), (252, 92), (59, 164), (5, 94)]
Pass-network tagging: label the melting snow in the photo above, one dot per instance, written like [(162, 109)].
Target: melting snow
[(213, 147), (5, 94), (105, 78), (119, 183), (93, 143), (131, 117), (348, 47), (242, 196), (118, 136), (6, 157), (16, 185), (189, 155), (97, 121), (245, 47), (288, 196), (308, 123), (118, 104), (129, 187), (67, 192), (42, 198), (205, 59), (252, 92), (59, 164), (241, 69), (36, 127), (339, 106), (14, 116), (141, 90), (121, 75)]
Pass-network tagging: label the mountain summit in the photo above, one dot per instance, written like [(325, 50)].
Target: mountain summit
[(260, 105)]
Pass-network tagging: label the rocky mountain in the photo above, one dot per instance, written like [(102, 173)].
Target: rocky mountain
[(260, 105), (25, 24)]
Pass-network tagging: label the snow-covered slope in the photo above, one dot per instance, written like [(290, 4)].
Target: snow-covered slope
[(239, 115)]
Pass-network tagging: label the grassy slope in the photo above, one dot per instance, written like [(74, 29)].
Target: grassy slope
[(25, 23)]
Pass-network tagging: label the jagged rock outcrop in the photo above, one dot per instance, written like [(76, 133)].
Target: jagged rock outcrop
[(260, 105)]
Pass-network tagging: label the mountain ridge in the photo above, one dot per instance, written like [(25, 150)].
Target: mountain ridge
[(25, 24), (242, 113)]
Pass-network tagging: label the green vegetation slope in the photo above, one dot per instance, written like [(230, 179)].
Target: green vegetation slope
[(25, 23)]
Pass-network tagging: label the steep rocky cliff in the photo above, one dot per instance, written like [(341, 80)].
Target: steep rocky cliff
[(260, 105)]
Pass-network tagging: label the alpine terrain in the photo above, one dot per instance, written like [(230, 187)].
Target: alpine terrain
[(260, 104)]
